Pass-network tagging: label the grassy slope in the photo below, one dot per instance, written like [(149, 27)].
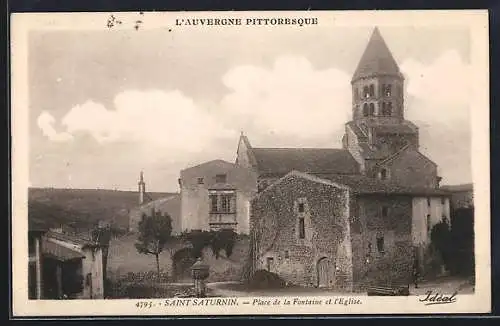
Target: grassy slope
[(83, 207)]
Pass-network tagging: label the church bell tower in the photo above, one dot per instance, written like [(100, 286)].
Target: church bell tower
[(378, 127), (377, 85)]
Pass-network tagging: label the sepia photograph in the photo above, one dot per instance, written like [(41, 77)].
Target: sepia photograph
[(300, 161)]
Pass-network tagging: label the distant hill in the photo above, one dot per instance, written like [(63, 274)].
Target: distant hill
[(83, 208)]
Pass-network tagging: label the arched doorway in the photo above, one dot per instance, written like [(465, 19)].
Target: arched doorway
[(182, 262), (325, 272)]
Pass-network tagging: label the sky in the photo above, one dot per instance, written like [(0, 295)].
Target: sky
[(104, 105)]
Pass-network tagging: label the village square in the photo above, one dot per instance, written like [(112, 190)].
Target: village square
[(371, 217)]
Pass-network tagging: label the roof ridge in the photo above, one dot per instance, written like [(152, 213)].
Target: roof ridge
[(292, 148)]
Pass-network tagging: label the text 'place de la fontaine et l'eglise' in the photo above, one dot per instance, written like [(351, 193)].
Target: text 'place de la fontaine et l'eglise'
[(327, 216)]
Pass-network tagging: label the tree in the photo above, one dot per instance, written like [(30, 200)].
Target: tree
[(102, 235), (154, 232), (441, 240), (217, 240)]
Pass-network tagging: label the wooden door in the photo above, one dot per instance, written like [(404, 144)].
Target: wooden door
[(325, 277), (270, 264)]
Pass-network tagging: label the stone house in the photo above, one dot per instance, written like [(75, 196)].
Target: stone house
[(72, 267), (345, 232), (216, 195)]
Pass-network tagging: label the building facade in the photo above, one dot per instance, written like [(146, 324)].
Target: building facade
[(72, 267), (346, 232), (216, 195)]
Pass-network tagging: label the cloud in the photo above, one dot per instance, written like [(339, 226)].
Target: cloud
[(156, 118), (291, 99), (46, 122), (438, 100), (441, 89), (290, 103)]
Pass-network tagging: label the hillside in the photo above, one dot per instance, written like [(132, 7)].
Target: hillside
[(82, 208)]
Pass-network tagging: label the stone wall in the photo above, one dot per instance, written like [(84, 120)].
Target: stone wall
[(378, 217), (275, 218), (412, 168)]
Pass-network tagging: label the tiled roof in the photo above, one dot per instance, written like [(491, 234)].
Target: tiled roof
[(357, 130), (311, 160), (59, 252), (78, 240), (366, 185), (458, 188), (400, 128), (37, 225), (377, 59)]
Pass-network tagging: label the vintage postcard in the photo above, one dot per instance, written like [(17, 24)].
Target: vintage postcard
[(250, 163)]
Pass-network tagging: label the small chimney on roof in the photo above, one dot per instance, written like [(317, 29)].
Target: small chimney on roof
[(142, 188)]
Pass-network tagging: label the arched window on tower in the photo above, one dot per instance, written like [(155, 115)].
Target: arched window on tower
[(365, 109), (386, 109), (372, 90), (387, 90), (366, 92), (372, 109)]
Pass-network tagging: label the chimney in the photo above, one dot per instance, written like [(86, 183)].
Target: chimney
[(142, 188)]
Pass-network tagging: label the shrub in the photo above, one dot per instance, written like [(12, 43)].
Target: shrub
[(263, 279)]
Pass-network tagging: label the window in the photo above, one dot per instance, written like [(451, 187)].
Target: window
[(385, 211), (387, 90), (383, 174), (213, 204), (386, 108), (220, 178), (269, 263), (302, 228), (222, 203), (366, 92), (380, 244), (365, 109), (225, 203), (200, 181), (372, 90), (372, 109), (287, 254), (301, 208), (428, 222)]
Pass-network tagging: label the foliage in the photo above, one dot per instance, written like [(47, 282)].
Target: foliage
[(263, 279), (441, 240), (154, 232), (217, 240)]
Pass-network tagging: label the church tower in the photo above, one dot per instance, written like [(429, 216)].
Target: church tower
[(142, 188), (378, 129), (377, 85)]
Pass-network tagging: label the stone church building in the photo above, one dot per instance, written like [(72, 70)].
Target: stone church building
[(352, 216), (335, 217)]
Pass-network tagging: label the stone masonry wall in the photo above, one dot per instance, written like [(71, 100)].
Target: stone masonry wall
[(374, 217), (275, 217)]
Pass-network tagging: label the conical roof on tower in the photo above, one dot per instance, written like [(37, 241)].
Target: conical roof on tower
[(377, 59)]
